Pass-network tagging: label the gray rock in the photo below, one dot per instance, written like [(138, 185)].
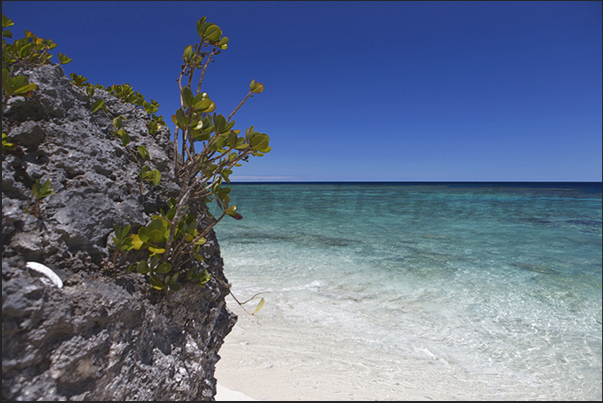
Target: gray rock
[(102, 336)]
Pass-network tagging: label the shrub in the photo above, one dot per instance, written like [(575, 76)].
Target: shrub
[(210, 149), (28, 51)]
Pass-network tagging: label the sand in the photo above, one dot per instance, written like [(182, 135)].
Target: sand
[(266, 358), (227, 395)]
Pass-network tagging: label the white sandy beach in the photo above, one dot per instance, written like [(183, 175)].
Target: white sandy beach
[(263, 360), (226, 395)]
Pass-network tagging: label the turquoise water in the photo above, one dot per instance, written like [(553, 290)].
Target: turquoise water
[(502, 281)]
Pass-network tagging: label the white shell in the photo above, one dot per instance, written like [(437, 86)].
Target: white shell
[(40, 268)]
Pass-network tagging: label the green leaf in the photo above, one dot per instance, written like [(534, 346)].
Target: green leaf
[(201, 25), (18, 86), (182, 120), (232, 139), (249, 134), (125, 230), (156, 176), (36, 190), (156, 282), (201, 135), (46, 186), (142, 267), (156, 250), (211, 108), (188, 53), (63, 59), (158, 224), (163, 268), (223, 44), (220, 123), (154, 261), (26, 50), (172, 202), (257, 88), (144, 153), (137, 243), (260, 142), (225, 173), (172, 282), (117, 122), (213, 33), (42, 191), (77, 79), (100, 104), (203, 278), (187, 97), (143, 235), (125, 137), (7, 22), (171, 213), (156, 231), (190, 273), (6, 144), (7, 82), (196, 125), (231, 211), (121, 239), (202, 105), (217, 144), (25, 90)]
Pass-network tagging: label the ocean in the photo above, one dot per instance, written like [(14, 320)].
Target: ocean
[(416, 290)]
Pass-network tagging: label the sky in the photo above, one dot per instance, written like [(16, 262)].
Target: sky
[(365, 91)]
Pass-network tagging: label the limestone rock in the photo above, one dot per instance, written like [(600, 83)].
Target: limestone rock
[(101, 336)]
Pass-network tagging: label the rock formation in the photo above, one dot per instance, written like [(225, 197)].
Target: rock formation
[(103, 335)]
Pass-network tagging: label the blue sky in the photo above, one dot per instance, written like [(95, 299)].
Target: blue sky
[(366, 91)]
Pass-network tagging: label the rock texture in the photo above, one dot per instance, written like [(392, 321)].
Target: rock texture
[(101, 336)]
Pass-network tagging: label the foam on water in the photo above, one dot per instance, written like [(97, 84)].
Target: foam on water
[(499, 282)]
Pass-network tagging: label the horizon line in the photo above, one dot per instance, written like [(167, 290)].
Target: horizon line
[(428, 181)]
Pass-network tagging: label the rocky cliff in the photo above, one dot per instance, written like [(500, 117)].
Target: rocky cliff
[(103, 335)]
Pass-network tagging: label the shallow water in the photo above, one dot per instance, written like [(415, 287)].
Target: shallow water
[(495, 285)]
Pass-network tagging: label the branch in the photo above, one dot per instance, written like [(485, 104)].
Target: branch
[(238, 107), (205, 67), (180, 83), (180, 248), (199, 179), (176, 155)]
